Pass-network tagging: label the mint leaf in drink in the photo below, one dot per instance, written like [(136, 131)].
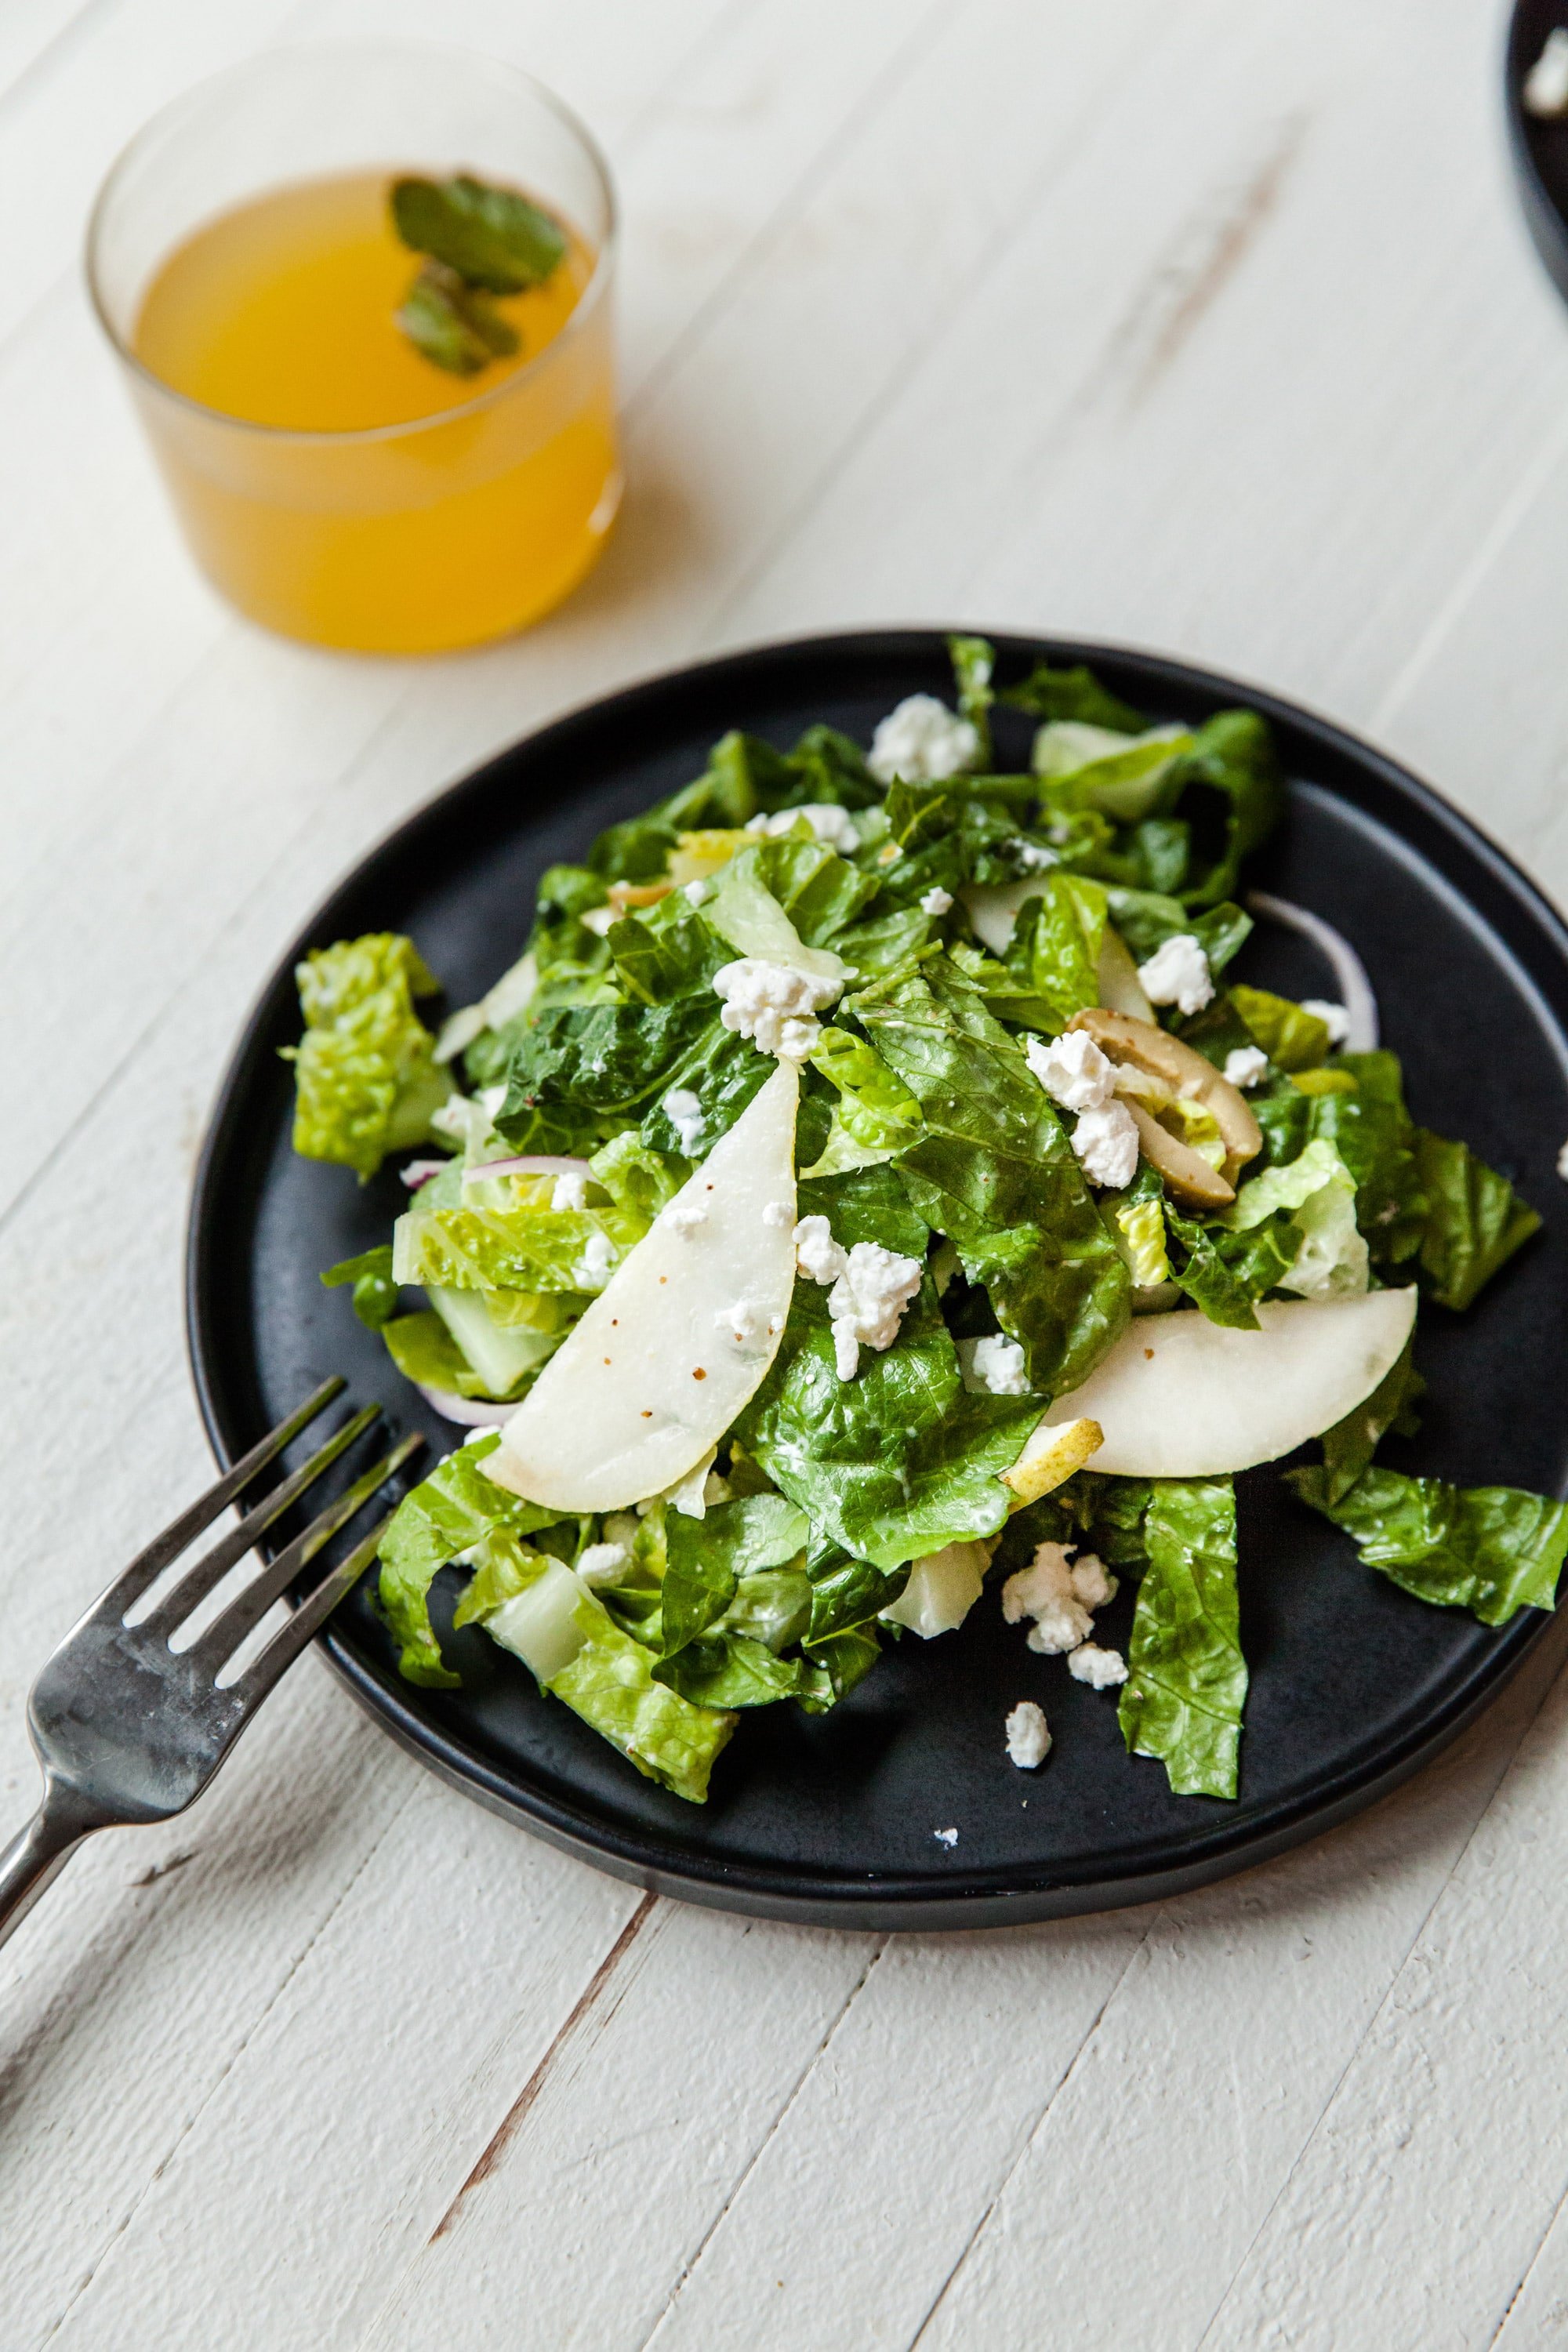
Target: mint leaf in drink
[(492, 237), (456, 326)]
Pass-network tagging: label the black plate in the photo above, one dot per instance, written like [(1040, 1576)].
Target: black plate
[(1538, 148), (1354, 1683)]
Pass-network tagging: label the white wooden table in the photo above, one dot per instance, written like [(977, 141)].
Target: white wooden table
[(1206, 324)]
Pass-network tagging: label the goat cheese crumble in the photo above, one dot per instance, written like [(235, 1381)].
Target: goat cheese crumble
[(696, 893), (1078, 1076), (1546, 83), (945, 1837), (684, 1112), (1105, 1144), (744, 1321), (1060, 1596), (937, 901), (992, 1366), (1073, 1070), (1178, 973), (772, 1004), (830, 823), (871, 1288), (597, 1262), (1101, 1669), (1033, 857), (570, 1193), (1246, 1065), (1028, 1736), (924, 741), (686, 1217), (1334, 1017), (777, 1214)]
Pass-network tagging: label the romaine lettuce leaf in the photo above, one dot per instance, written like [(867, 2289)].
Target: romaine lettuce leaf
[(1146, 921), (600, 1058), (705, 1559), (724, 1072), (1187, 1679), (365, 1076), (447, 1513), (1232, 760), (1491, 1549), (610, 1684), (1474, 1220), (425, 1352), (1054, 951), (974, 660), (1075, 693), (374, 1293), (897, 1462), (995, 1173), (1224, 1273), (731, 1670), (1318, 1193), (1372, 1133), (638, 1180), (1126, 778), (477, 1247), (1293, 1039), (876, 1110), (660, 955)]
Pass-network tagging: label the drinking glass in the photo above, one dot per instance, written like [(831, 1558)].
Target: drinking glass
[(409, 537)]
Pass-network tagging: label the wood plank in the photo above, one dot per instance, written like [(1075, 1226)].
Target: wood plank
[(1416, 2207)]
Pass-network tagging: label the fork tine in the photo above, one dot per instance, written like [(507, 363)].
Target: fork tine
[(307, 1620), (215, 1564), (150, 1564), (223, 1637)]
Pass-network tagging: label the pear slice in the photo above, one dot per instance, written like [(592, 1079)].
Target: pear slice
[(994, 907), (1180, 1397), (676, 1344), (1055, 1451)]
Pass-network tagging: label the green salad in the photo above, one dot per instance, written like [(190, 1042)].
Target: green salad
[(870, 1197)]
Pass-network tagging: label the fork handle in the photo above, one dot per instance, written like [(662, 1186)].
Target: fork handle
[(35, 1857)]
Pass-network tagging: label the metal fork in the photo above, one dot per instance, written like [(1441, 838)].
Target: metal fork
[(128, 1730)]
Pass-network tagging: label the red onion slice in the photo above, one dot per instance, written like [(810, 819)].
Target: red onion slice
[(419, 1171), (1355, 988), (471, 1413), (532, 1163)]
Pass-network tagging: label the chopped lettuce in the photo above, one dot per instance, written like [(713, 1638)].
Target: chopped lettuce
[(1054, 951), (365, 1076), (374, 1293), (570, 1642), (897, 1462), (973, 663), (1073, 693), (1474, 1220), (1491, 1549), (1318, 1193), (447, 1513), (1293, 1039), (876, 1113), (921, 1128), (1186, 1676), (1085, 767), (994, 1172), (425, 1351)]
